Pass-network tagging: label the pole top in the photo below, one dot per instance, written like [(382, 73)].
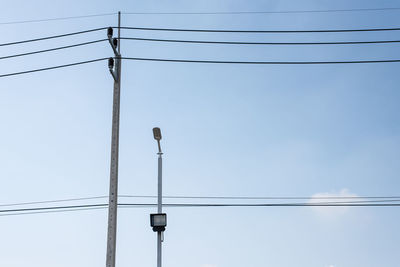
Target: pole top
[(157, 136), (157, 133)]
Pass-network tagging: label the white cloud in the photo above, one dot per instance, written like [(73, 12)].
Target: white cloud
[(332, 212)]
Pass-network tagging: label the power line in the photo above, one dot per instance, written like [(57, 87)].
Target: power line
[(380, 198), (200, 42), (54, 208), (362, 201), (50, 211), (263, 197), (208, 30), (72, 207), (201, 13), (208, 62), (259, 43), (261, 62), (176, 205), (55, 19), (263, 12), (51, 201), (53, 49), (259, 31), (285, 205), (193, 41), (52, 68), (310, 199), (53, 37)]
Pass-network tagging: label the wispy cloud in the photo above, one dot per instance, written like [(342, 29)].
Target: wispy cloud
[(332, 212)]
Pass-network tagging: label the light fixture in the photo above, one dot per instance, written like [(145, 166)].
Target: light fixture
[(157, 136), (157, 133), (158, 221)]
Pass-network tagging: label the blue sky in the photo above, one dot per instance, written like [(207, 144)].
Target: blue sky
[(227, 130)]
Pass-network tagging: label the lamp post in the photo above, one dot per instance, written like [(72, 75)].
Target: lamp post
[(159, 220)]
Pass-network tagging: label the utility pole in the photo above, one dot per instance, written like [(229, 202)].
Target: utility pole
[(159, 220), (113, 196)]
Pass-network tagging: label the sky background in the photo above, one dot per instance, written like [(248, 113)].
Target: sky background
[(228, 130)]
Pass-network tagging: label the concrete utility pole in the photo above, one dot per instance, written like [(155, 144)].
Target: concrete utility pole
[(113, 196)]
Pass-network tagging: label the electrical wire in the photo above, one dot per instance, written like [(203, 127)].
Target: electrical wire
[(53, 49), (199, 42), (193, 41), (52, 68), (202, 13), (200, 30), (55, 19), (53, 36), (259, 43), (362, 201), (50, 211), (54, 208), (51, 201), (263, 12), (261, 62), (208, 62), (380, 198), (285, 205), (261, 197), (259, 31), (173, 205)]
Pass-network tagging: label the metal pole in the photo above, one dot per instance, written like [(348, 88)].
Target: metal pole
[(113, 196), (159, 207)]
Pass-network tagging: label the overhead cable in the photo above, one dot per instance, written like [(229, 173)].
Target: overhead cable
[(198, 30), (207, 62), (55, 19), (50, 211), (261, 197), (52, 68), (54, 208), (350, 198), (125, 205), (260, 31), (282, 205), (175, 205), (263, 12), (203, 13), (259, 43), (53, 49), (53, 37), (261, 62), (52, 201)]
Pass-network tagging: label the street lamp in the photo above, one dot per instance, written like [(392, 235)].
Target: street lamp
[(159, 220), (157, 136)]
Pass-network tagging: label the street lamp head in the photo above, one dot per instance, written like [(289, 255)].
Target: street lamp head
[(110, 32), (158, 221), (157, 133)]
